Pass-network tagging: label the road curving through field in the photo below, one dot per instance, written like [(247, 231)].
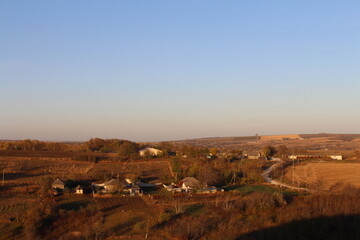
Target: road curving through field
[(267, 176)]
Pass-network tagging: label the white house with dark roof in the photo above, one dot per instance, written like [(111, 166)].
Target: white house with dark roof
[(150, 151), (79, 190)]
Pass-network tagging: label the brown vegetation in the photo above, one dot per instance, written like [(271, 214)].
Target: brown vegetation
[(327, 174), (28, 210)]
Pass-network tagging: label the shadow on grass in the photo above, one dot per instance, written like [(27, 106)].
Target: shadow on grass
[(246, 189), (74, 205), (20, 175), (111, 208), (194, 209), (126, 227), (250, 188), (163, 224), (191, 210), (322, 228), (13, 231)]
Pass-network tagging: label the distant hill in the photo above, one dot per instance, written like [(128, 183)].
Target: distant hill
[(281, 137), (240, 141)]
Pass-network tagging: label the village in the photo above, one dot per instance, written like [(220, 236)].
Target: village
[(136, 186), (162, 184), (114, 187)]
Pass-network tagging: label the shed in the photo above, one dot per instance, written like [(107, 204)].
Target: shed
[(79, 190), (58, 184), (336, 157), (134, 189)]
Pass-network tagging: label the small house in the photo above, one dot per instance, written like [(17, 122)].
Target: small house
[(172, 188), (113, 185), (79, 190), (336, 157), (58, 185), (134, 189)]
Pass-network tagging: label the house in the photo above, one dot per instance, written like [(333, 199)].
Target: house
[(79, 190), (58, 185), (134, 189), (303, 156), (189, 183), (108, 187), (150, 151), (336, 157), (172, 188), (113, 185), (314, 156)]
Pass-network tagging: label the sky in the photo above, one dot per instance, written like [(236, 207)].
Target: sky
[(168, 70)]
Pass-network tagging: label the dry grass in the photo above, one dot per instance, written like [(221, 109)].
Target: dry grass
[(280, 137), (324, 175), (122, 203), (156, 170)]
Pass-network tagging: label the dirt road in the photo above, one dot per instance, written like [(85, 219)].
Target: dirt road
[(277, 165)]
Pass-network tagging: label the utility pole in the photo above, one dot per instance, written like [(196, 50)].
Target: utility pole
[(147, 230), (233, 179)]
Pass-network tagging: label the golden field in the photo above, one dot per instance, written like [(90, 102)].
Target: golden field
[(324, 175)]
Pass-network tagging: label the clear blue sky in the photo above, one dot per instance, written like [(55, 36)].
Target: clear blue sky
[(162, 70)]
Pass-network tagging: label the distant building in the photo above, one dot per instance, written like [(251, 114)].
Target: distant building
[(58, 185), (189, 183), (149, 151), (314, 156), (304, 156), (336, 157), (113, 185), (79, 190), (134, 189), (172, 188), (116, 187)]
